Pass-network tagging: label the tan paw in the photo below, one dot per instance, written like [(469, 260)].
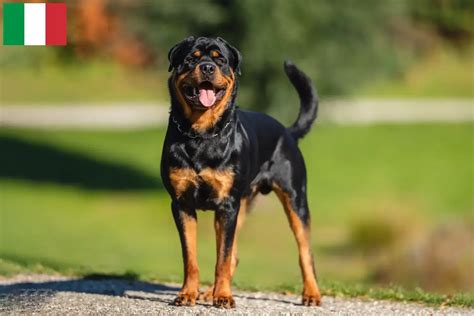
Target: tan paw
[(311, 300), (185, 299), (206, 296), (224, 302)]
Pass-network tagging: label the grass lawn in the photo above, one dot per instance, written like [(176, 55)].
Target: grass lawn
[(83, 82), (92, 202), (444, 73)]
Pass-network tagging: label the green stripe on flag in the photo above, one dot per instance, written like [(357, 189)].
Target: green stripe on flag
[(13, 24)]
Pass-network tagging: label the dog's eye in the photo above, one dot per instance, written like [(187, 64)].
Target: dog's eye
[(190, 59), (220, 60)]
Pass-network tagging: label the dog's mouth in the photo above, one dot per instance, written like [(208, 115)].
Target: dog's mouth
[(204, 95)]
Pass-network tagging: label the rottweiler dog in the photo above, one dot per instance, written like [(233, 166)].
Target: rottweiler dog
[(218, 157)]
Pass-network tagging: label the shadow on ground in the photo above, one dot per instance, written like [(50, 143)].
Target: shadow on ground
[(16, 295), (20, 159)]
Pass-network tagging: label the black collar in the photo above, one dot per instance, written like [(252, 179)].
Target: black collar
[(192, 134)]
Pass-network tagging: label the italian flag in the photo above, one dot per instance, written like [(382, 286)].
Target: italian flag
[(34, 24)]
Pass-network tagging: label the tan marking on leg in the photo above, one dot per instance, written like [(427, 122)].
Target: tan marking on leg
[(220, 180), (240, 222), (207, 296), (311, 293), (190, 290), (222, 296), (181, 179)]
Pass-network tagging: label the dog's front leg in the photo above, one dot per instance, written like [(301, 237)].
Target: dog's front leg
[(186, 222), (224, 222)]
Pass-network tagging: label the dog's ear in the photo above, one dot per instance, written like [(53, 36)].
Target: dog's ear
[(177, 52), (236, 56)]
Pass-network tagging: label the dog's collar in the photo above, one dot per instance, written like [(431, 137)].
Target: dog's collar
[(193, 134)]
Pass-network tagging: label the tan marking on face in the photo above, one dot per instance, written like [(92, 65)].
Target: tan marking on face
[(184, 105), (215, 53), (182, 178), (302, 236), (203, 120), (220, 180), (197, 53)]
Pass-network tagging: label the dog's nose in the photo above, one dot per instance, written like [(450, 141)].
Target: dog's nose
[(207, 68)]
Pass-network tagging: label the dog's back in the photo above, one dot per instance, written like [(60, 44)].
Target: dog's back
[(268, 138)]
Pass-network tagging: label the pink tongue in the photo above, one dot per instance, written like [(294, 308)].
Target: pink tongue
[(207, 97)]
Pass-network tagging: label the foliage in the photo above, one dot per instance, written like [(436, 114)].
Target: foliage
[(343, 45), (339, 44), (336, 43), (444, 73), (452, 18)]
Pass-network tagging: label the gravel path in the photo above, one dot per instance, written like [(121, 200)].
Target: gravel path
[(55, 295)]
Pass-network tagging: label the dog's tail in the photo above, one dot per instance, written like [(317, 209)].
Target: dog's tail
[(308, 101)]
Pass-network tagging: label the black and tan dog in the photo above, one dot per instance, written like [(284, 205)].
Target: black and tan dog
[(218, 157)]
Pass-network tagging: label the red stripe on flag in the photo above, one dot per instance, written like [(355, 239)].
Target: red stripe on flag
[(56, 24)]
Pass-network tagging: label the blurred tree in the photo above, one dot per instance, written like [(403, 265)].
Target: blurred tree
[(162, 23), (339, 43), (98, 30), (453, 19)]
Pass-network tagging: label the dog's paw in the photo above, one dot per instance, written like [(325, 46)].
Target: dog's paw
[(185, 299), (206, 296), (224, 302), (311, 300)]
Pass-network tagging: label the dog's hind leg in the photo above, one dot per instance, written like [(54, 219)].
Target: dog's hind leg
[(244, 203), (296, 208), (186, 222)]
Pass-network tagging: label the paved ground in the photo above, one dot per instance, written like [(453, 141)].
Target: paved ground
[(40, 294), (139, 115), (368, 111), (116, 116)]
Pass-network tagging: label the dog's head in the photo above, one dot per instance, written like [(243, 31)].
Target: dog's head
[(204, 73)]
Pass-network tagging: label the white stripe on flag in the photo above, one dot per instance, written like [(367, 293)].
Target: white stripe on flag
[(35, 24)]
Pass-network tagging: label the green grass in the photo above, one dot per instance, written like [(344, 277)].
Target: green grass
[(83, 82), (445, 73), (91, 202), (398, 293)]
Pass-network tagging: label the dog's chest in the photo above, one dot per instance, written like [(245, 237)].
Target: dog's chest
[(203, 176), (202, 186)]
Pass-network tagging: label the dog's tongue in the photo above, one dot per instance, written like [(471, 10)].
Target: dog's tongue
[(207, 97)]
